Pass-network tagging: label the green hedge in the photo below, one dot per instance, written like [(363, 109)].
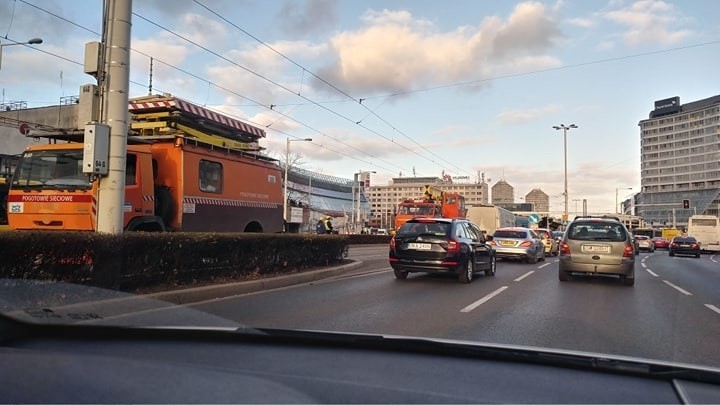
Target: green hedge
[(139, 260)]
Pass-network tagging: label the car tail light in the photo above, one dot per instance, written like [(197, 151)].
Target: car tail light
[(629, 251), (453, 246), (526, 243), (695, 246), (564, 249), (392, 243), (492, 243)]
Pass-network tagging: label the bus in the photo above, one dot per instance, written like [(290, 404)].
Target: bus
[(706, 229), (649, 232)]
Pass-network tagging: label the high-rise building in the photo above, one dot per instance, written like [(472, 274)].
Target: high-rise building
[(539, 199), (503, 193), (680, 160)]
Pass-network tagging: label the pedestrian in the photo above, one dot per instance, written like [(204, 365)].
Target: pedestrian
[(320, 227), (328, 224)]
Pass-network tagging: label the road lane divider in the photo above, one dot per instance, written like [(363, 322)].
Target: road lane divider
[(713, 307), (543, 265), (677, 288), (524, 275), (483, 299), (651, 272)]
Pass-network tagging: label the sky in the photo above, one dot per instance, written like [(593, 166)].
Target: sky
[(401, 88)]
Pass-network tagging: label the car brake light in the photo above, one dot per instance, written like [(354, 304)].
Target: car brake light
[(392, 243), (629, 251), (564, 249), (526, 243), (492, 243), (453, 246)]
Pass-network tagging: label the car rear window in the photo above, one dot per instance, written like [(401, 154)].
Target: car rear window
[(596, 231), (424, 228), (510, 234), (685, 240)]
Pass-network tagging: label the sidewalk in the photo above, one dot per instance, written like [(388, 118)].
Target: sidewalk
[(205, 293)]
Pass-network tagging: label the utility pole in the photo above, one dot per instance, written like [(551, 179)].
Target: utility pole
[(115, 87)]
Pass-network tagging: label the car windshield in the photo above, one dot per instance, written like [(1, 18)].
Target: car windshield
[(424, 228), (256, 162)]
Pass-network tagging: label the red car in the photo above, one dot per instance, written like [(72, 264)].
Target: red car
[(660, 243)]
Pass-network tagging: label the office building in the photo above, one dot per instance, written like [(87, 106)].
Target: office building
[(680, 160)]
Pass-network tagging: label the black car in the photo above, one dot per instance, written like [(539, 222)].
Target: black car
[(684, 245), (441, 245)]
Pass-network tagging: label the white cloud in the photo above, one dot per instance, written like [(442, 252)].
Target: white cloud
[(396, 52), (650, 22), (514, 117)]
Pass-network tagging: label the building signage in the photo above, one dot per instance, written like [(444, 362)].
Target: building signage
[(667, 106)]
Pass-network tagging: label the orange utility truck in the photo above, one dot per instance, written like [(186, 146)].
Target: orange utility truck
[(188, 168), (434, 203)]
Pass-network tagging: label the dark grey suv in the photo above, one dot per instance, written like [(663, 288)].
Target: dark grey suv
[(597, 245), (441, 245)]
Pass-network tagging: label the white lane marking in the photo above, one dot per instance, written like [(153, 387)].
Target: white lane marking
[(546, 264), (483, 299), (525, 275), (713, 307), (651, 272), (676, 287)]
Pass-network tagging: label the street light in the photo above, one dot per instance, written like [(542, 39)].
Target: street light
[(565, 192), (287, 163), (617, 208), (32, 41)]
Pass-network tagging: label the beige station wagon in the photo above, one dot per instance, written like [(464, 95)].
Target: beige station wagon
[(597, 246)]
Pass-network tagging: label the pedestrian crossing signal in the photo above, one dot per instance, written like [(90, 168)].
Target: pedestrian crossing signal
[(686, 204)]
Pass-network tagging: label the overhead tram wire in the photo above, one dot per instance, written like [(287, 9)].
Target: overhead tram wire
[(359, 101), (255, 102), (219, 87), (279, 85), (539, 71)]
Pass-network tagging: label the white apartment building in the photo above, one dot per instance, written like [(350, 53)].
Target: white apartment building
[(385, 199), (680, 160)]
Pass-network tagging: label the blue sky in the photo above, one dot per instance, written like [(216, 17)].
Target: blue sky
[(464, 87)]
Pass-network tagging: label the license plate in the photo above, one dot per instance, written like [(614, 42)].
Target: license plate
[(419, 246), (596, 249), (507, 243)]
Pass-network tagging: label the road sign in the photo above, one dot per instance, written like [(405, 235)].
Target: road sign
[(534, 218)]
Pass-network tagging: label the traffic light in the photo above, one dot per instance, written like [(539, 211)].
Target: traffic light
[(686, 204)]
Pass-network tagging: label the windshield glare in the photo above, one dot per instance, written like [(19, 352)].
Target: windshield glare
[(51, 169)]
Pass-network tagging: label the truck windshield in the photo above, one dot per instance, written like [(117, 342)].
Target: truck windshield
[(51, 169), (416, 210)]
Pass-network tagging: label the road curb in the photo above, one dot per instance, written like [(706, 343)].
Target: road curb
[(210, 292)]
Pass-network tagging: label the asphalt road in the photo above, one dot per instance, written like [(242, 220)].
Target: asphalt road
[(672, 312)]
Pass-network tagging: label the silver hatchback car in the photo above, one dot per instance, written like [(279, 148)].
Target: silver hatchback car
[(597, 245), (518, 243)]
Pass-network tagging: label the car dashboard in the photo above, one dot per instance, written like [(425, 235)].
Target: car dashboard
[(104, 364)]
